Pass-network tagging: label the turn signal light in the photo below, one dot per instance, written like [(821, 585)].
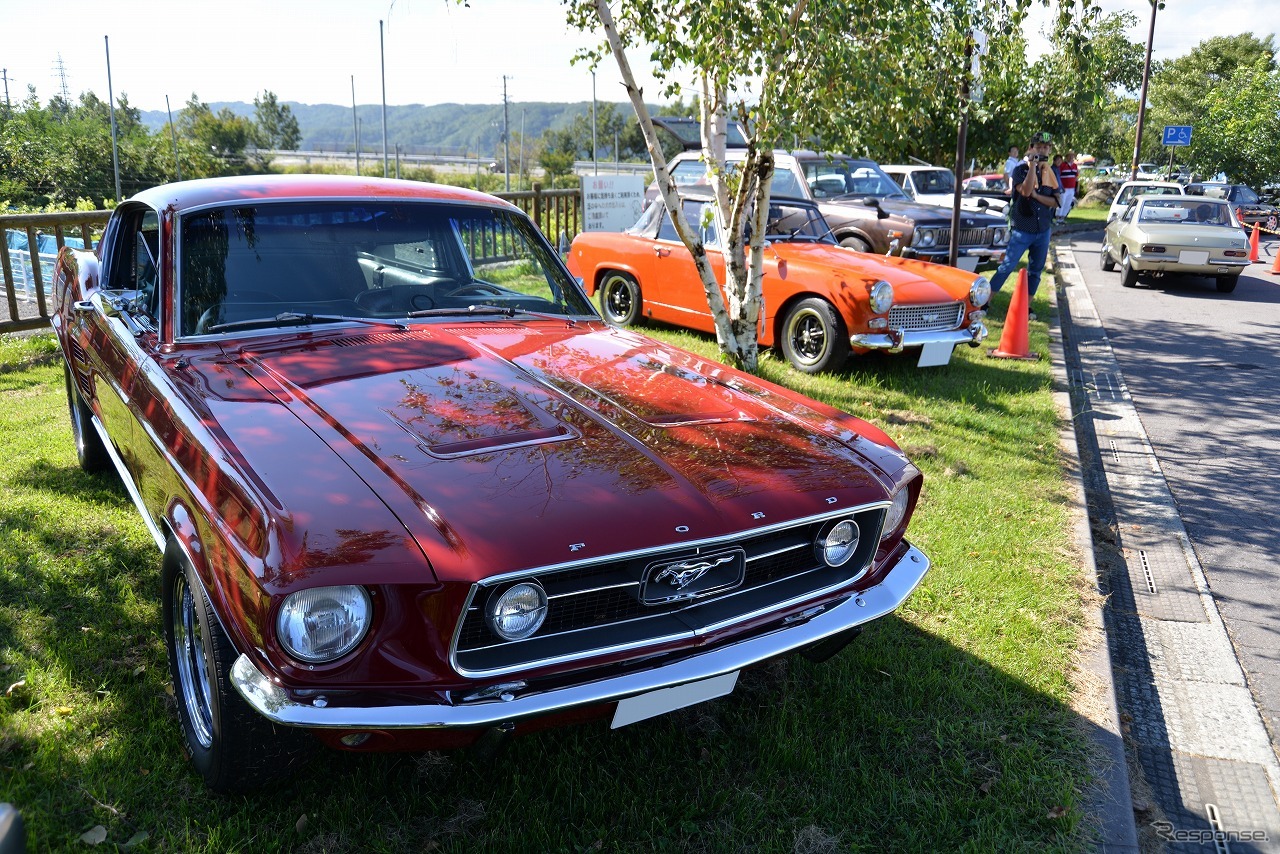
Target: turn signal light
[(1152, 249)]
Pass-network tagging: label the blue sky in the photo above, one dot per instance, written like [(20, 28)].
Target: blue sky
[(436, 50)]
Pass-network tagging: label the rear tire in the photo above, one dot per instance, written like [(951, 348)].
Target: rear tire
[(233, 747), (90, 452), (1227, 284), (813, 337), (1128, 275), (620, 301)]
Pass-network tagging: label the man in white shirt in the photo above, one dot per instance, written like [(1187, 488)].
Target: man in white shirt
[(1010, 164)]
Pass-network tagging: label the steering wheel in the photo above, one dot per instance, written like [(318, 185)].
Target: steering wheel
[(210, 317), (483, 288)]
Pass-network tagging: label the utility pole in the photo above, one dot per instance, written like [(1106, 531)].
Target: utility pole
[(506, 137), (383, 52), (111, 102), (5, 74), (1142, 98), (173, 134), (594, 160), (355, 122)]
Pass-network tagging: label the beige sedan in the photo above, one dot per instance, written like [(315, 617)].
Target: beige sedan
[(1176, 235)]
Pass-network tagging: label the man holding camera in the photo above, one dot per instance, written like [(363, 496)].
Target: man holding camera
[(1035, 198)]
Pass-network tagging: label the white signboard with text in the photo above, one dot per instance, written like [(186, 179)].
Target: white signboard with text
[(611, 202)]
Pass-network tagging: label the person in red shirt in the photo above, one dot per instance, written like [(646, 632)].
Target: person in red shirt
[(1069, 172)]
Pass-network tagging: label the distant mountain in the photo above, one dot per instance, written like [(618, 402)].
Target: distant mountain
[(417, 129)]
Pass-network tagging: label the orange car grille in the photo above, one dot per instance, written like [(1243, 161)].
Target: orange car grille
[(927, 318)]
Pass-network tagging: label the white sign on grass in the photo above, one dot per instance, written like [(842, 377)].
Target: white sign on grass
[(611, 202)]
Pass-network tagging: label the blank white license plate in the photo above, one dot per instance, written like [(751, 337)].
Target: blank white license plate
[(935, 353), (1187, 256), (666, 700), (967, 262)]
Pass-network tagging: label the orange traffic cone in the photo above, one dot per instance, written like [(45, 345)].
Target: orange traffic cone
[(1253, 245), (1013, 341), (1275, 266)]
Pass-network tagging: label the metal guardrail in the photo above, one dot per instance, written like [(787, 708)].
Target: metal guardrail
[(28, 280)]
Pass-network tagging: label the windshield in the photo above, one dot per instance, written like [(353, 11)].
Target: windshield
[(935, 181), (1130, 192), (1188, 209), (243, 266), (840, 177)]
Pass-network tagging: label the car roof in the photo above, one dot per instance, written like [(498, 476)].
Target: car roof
[(1150, 184), (186, 195)]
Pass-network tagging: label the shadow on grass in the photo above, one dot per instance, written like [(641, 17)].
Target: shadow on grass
[(902, 742)]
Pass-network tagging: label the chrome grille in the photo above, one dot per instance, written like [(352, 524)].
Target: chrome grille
[(597, 608), (927, 318), (968, 237)]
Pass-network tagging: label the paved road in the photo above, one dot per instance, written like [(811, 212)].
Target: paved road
[(1203, 369)]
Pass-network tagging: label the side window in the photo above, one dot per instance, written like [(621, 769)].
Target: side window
[(667, 230), (146, 268), (688, 173), (1128, 213)]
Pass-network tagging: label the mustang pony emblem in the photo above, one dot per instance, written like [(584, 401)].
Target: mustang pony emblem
[(681, 575)]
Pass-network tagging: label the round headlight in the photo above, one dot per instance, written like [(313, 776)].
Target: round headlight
[(980, 291), (897, 512), (838, 544), (925, 237), (518, 611), (1000, 236), (881, 297), (323, 623)]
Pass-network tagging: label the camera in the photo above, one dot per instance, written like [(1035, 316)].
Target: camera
[(1040, 158)]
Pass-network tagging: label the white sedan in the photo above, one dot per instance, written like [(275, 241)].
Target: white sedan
[(1176, 235), (1129, 190)]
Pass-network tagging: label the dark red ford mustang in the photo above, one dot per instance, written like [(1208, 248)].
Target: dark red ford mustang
[(410, 489)]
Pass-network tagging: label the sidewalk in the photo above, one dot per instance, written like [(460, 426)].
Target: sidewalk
[(1193, 736)]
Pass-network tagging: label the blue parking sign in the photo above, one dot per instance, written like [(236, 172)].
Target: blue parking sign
[(1177, 134)]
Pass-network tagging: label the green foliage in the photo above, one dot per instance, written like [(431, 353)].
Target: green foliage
[(275, 125), (1228, 90)]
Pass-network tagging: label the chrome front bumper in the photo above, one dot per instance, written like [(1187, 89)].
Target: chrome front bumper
[(896, 340), (275, 704)]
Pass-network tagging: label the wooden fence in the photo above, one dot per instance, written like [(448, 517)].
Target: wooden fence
[(27, 273)]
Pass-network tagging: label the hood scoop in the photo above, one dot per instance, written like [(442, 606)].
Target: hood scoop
[(490, 417)]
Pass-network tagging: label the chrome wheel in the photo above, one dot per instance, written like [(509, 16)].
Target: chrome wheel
[(813, 337), (620, 299), (195, 688)]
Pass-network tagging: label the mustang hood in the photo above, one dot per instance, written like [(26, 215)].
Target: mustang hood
[(508, 446)]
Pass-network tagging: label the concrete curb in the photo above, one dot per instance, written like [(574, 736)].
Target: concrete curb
[(1110, 801)]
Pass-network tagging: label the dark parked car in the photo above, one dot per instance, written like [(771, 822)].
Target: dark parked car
[(410, 489), (866, 208), (1250, 207)]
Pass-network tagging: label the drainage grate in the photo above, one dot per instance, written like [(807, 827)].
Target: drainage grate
[(1146, 570), (1115, 453), (1219, 835)]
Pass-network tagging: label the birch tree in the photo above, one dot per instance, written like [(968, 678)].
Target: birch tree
[(788, 70)]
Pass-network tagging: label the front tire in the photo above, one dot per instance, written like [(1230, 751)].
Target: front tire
[(90, 452), (620, 301), (1104, 258), (1227, 284), (233, 747), (814, 337), (1128, 275), (856, 243)]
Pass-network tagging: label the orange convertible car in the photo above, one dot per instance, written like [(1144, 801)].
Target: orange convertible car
[(821, 300)]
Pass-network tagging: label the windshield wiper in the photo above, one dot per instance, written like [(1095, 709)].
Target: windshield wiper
[(504, 311), (293, 318)]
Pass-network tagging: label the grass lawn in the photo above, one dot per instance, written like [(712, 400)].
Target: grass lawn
[(1089, 213), (947, 726)]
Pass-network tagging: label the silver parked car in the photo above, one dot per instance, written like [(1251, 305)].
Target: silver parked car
[(1176, 235)]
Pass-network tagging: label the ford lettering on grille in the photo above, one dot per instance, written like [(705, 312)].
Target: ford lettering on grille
[(667, 581)]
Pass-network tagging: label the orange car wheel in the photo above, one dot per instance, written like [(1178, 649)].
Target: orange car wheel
[(620, 301), (814, 337)]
